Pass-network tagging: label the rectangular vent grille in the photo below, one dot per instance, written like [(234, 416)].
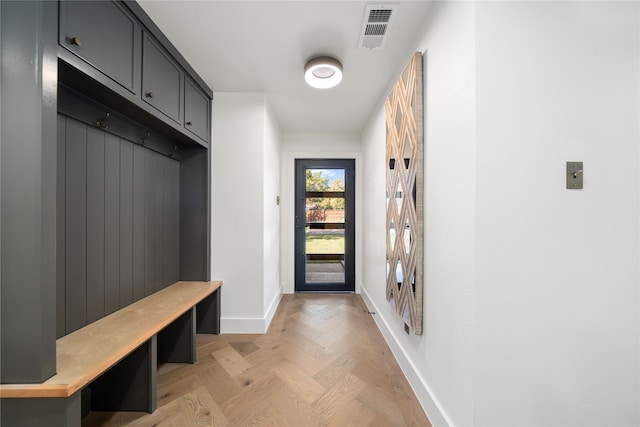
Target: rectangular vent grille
[(379, 15), (375, 30), (375, 25)]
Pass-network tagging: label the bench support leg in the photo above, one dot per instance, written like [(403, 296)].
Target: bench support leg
[(131, 384), (177, 342), (41, 412), (208, 314)]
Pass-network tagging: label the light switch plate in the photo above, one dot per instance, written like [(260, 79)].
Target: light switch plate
[(575, 173)]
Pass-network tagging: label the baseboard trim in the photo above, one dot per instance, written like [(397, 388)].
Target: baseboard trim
[(272, 309), (424, 395), (242, 325), (250, 325)]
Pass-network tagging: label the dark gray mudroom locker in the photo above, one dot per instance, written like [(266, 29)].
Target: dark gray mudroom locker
[(104, 173)]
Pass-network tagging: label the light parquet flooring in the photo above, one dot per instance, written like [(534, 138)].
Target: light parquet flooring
[(323, 362)]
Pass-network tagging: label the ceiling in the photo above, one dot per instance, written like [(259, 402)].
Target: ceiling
[(262, 46)]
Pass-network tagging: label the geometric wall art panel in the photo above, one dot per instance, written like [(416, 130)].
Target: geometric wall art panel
[(405, 188)]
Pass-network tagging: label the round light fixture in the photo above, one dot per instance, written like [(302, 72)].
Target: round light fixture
[(323, 72)]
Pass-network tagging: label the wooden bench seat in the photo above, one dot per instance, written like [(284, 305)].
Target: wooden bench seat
[(87, 353)]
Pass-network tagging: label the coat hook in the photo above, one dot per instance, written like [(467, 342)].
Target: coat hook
[(143, 139), (101, 123), (173, 151)]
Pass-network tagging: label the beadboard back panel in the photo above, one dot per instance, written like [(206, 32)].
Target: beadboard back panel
[(121, 208)]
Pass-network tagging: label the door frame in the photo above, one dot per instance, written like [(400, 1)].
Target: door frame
[(301, 165)]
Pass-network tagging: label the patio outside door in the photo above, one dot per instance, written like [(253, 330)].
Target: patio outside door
[(325, 229)]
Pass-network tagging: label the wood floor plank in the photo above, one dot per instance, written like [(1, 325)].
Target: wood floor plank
[(295, 409), (255, 375), (380, 421), (255, 392), (231, 361), (373, 376), (333, 336), (306, 330), (244, 348), (339, 395), (338, 347), (220, 384), (201, 410), (336, 370), (295, 378), (262, 414), (322, 362), (353, 414), (307, 345), (169, 415), (308, 363), (301, 318), (372, 356), (183, 370), (411, 410), (379, 401), (268, 341), (207, 347), (168, 392), (265, 359)]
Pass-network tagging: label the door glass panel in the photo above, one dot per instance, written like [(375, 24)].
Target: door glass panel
[(324, 228)]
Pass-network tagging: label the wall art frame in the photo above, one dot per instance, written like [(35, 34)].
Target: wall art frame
[(405, 195)]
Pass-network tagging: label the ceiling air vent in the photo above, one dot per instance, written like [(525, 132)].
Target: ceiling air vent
[(375, 26)]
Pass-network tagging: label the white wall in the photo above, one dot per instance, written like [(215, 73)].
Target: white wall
[(271, 250), (557, 270), (440, 361), (532, 299), (245, 138), (310, 146)]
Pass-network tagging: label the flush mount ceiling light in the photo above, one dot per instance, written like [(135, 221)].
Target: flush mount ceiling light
[(323, 72)]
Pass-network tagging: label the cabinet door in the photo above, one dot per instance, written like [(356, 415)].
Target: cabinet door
[(161, 79), (103, 34), (196, 110)]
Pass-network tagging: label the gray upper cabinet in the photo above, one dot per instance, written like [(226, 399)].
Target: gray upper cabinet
[(105, 35), (161, 80), (114, 44), (196, 110)]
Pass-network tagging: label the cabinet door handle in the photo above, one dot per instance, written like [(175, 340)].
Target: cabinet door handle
[(149, 94), (188, 123), (75, 41)]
